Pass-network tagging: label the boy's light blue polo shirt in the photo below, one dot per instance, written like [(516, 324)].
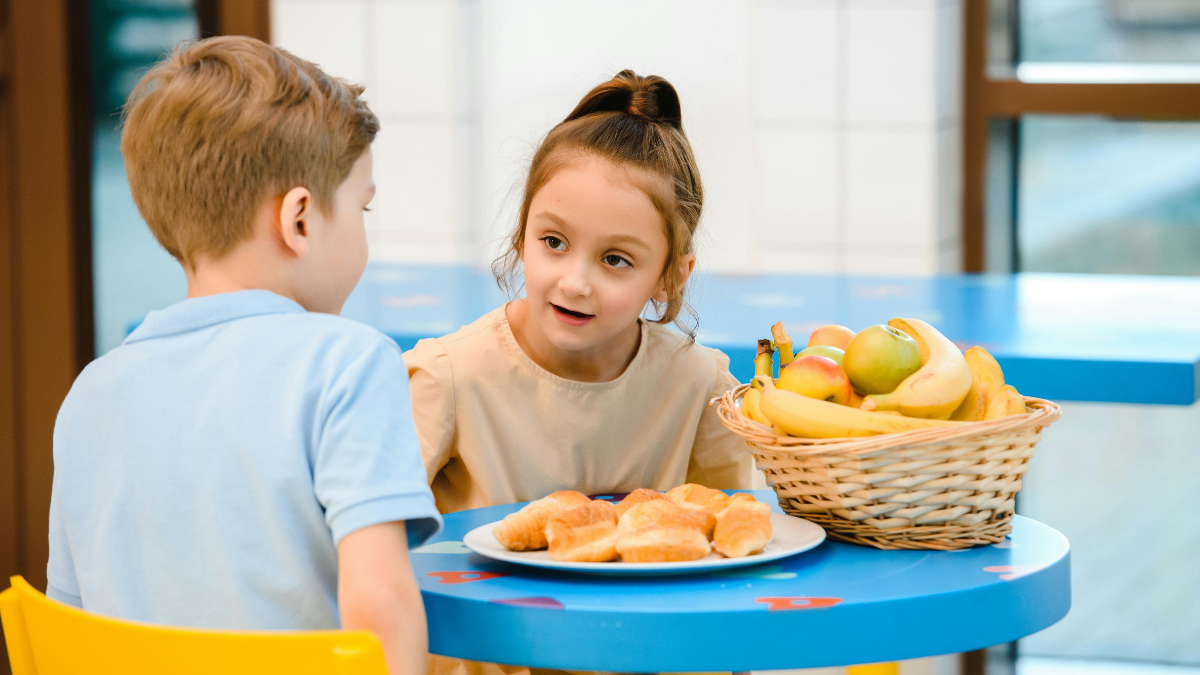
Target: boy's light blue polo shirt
[(205, 470)]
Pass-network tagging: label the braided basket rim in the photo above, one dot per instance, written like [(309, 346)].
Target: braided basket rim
[(1042, 414)]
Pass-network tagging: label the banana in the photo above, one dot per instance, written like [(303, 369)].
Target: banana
[(750, 406), (764, 359), (986, 382), (783, 342), (811, 418), (937, 389), (1007, 402)]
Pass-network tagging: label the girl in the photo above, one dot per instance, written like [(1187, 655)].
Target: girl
[(567, 388)]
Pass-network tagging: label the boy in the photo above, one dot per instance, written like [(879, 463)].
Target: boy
[(246, 459)]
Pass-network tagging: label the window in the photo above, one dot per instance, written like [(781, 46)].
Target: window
[(1082, 136)]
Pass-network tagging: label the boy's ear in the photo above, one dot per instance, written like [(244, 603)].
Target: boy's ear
[(686, 264), (295, 212)]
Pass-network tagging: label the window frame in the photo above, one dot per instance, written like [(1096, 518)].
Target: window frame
[(991, 92)]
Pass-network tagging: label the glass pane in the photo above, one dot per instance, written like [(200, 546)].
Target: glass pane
[(1107, 196), (132, 274), (1109, 40)]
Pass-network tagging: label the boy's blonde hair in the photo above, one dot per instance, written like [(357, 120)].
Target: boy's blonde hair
[(225, 123)]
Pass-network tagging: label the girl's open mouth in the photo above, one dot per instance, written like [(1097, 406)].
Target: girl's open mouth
[(571, 317)]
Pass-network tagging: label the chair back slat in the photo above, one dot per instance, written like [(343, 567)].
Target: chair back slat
[(60, 640)]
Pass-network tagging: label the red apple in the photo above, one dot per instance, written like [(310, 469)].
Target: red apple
[(816, 377), (831, 336)]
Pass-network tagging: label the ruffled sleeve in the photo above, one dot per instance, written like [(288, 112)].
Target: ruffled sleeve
[(719, 459), (431, 381)]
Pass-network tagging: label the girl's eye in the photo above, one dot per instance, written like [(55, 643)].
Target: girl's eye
[(554, 242), (366, 209), (615, 260)]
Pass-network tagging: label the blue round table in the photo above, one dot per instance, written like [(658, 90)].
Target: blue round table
[(838, 604)]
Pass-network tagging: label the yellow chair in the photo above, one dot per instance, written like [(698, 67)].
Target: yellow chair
[(46, 637)]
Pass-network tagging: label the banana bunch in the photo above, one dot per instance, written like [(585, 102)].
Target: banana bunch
[(947, 389), (988, 398), (812, 418)]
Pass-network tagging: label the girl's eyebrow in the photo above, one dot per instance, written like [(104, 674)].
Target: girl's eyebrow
[(629, 239), (552, 216), (626, 239)]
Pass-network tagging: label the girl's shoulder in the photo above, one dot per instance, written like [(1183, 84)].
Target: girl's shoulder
[(681, 354), (477, 337)]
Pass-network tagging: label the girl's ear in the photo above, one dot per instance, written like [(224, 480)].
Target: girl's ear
[(295, 211), (686, 264)]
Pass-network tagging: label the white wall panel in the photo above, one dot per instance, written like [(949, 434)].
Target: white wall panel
[(891, 69), (798, 186), (415, 179), (890, 188), (414, 53), (329, 34), (826, 130), (796, 76)]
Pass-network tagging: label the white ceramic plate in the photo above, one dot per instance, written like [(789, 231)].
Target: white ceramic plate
[(791, 536)]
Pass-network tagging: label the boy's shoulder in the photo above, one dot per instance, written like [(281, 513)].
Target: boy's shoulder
[(233, 331)]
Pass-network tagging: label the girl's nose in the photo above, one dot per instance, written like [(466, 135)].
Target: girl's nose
[(575, 284)]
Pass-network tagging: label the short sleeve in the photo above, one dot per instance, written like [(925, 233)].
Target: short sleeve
[(431, 381), (61, 582), (367, 467), (720, 458)]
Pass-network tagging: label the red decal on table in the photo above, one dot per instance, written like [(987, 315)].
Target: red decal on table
[(1010, 572), (538, 602), (779, 604), (464, 577)]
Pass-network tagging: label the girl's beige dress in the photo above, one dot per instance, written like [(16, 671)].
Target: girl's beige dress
[(496, 428)]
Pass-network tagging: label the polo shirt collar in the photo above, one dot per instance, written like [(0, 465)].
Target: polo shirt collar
[(196, 313)]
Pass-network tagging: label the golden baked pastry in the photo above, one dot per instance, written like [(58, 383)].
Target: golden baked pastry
[(586, 533), (638, 496), (741, 532), (525, 530), (662, 544), (742, 500), (664, 513), (692, 496)]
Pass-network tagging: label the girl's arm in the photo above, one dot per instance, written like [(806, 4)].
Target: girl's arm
[(431, 382), (720, 459)]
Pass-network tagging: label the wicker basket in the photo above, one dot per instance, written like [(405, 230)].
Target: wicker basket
[(943, 488)]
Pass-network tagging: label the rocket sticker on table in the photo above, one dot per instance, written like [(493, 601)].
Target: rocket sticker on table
[(465, 577), (797, 602)]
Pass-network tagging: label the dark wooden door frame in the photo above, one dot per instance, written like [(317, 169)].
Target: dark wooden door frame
[(45, 259), (46, 306), (991, 91), (235, 17)]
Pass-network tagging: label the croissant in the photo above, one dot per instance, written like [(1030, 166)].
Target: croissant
[(638, 496), (586, 533), (663, 513), (525, 530), (692, 496), (741, 532), (662, 544), (742, 500)]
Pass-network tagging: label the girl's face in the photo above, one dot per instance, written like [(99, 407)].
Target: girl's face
[(593, 257)]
